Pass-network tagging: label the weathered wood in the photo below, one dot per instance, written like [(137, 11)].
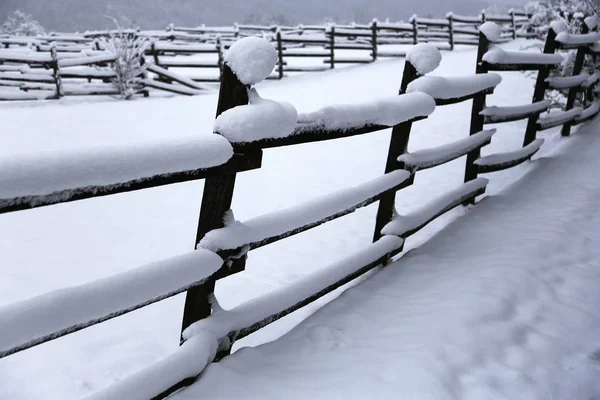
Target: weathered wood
[(571, 97), (236, 164), (415, 30), (374, 40), (398, 146), (313, 134), (56, 72), (477, 120), (513, 24), (540, 89), (216, 201), (332, 46), (279, 54), (451, 31)]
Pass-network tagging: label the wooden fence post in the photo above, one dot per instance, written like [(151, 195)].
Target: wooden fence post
[(398, 146), (451, 31), (540, 88), (577, 68), (279, 53), (483, 17), (476, 118), (374, 39), (415, 29), (220, 55), (332, 45), (56, 71), (513, 24), (216, 201)]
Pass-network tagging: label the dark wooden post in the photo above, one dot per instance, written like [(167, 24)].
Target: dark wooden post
[(220, 56), (279, 53), (540, 88), (577, 68), (415, 29), (476, 109), (451, 31), (513, 24), (56, 71), (483, 17), (332, 46), (216, 200), (374, 39), (398, 146)]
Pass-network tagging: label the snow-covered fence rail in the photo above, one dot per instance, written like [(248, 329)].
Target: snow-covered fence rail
[(246, 125)]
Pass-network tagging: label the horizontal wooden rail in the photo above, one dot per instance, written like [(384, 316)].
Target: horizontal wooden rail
[(502, 161)]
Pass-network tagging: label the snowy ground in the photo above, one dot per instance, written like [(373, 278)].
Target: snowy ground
[(64, 245), (501, 304)]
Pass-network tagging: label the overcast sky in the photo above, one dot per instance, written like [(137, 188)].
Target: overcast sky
[(71, 15)]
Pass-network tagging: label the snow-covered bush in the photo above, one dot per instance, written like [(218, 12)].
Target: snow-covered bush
[(572, 13), (21, 24), (130, 64)]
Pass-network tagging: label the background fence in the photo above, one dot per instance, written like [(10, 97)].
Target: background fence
[(209, 332), (57, 65)]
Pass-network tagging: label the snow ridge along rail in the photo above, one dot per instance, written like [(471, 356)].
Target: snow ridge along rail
[(223, 244)]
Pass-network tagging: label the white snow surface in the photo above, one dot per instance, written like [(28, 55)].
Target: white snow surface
[(387, 111), (499, 305), (66, 308), (491, 30), (509, 156), (47, 172), (591, 22), (251, 59), (562, 82), (259, 119), (581, 39), (496, 55), (403, 224), (438, 155), (454, 87), (424, 57), (255, 230), (559, 26), (506, 111)]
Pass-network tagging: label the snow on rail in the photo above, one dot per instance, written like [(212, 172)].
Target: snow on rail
[(259, 119), (454, 89), (501, 57), (557, 118), (588, 112), (592, 80), (49, 173), (11, 56), (405, 225), (566, 82), (570, 40), (88, 60), (203, 339), (495, 114), (500, 161), (54, 314), (277, 225), (18, 96), (429, 158), (388, 111)]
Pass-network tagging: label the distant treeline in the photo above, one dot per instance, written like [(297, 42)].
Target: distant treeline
[(81, 15)]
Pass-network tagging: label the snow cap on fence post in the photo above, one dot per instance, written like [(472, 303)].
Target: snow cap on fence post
[(491, 30), (252, 59), (559, 26), (424, 57)]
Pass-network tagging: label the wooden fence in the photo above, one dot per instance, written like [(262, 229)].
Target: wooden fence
[(57, 65), (222, 250)]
